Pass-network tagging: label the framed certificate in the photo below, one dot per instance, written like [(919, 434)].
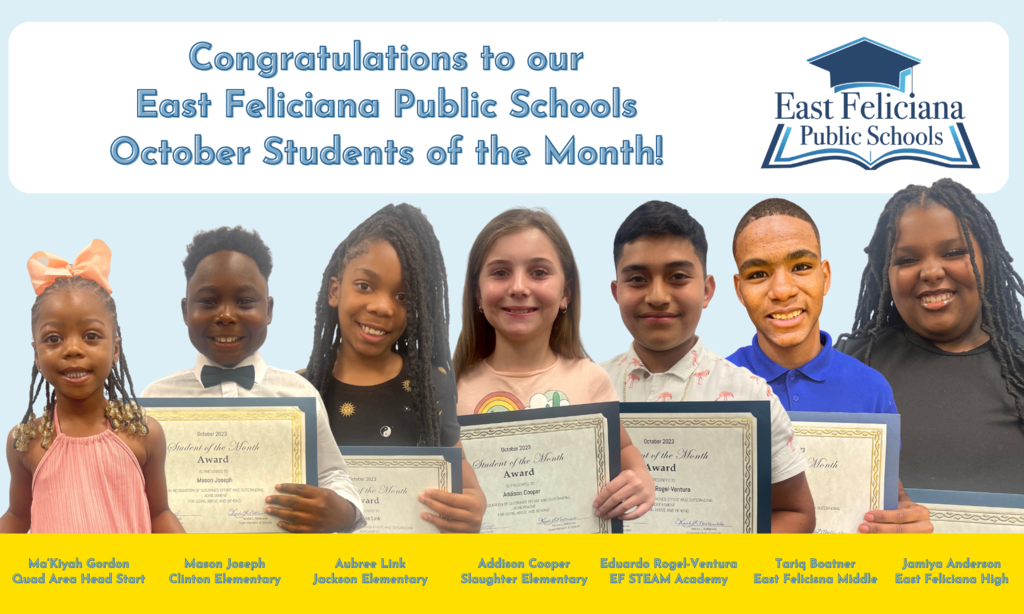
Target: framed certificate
[(711, 464), (224, 457), (854, 465), (390, 478), (541, 469), (971, 512)]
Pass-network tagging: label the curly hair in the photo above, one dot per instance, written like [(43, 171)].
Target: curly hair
[(225, 239)]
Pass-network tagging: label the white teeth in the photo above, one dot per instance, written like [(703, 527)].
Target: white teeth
[(226, 339), (937, 298), (372, 331), (519, 311), (75, 374), (786, 316)]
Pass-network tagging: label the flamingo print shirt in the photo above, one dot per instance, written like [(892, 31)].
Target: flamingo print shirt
[(714, 379)]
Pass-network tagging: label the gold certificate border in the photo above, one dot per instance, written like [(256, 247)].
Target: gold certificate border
[(385, 462), (875, 433), (220, 414), (594, 422), (747, 425), (1001, 517)]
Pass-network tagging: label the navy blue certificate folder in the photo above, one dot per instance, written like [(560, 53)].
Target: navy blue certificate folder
[(306, 404), (610, 410), (957, 497), (761, 410)]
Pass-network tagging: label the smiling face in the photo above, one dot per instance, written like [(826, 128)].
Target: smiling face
[(522, 287), (661, 290), (932, 280), (782, 282), (370, 299), (75, 343), (227, 307)]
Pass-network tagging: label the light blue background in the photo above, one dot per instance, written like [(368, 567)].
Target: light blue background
[(148, 234)]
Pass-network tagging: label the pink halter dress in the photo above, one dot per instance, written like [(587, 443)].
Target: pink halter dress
[(89, 485)]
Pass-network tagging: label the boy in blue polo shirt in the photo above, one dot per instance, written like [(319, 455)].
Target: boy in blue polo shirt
[(782, 282)]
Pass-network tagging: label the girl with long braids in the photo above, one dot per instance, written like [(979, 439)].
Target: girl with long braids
[(380, 356), (939, 315), (92, 463)]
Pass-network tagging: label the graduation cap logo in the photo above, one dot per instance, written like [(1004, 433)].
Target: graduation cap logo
[(868, 129), (867, 63)]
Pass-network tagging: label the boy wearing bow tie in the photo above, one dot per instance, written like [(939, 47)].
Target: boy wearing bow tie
[(227, 308)]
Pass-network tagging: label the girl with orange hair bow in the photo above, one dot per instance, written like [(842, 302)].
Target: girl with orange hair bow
[(92, 463)]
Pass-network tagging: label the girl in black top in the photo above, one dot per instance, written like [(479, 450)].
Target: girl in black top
[(954, 355), (380, 356)]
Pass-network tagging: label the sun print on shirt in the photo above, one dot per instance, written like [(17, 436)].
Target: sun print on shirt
[(347, 409)]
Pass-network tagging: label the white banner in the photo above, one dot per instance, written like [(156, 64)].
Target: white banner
[(467, 107)]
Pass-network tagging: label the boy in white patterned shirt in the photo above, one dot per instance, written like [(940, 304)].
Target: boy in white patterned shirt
[(227, 308), (661, 287)]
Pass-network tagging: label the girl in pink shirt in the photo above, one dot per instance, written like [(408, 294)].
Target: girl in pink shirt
[(89, 465), (520, 343)]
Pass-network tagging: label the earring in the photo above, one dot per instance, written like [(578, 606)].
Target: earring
[(480, 308), (564, 309)]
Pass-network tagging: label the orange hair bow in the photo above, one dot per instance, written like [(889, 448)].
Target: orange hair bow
[(92, 263)]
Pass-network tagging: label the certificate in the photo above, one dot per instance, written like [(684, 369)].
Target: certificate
[(224, 457), (971, 512), (853, 465), (541, 469), (711, 465), (390, 478)]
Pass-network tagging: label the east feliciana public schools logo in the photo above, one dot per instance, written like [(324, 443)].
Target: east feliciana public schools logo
[(871, 117)]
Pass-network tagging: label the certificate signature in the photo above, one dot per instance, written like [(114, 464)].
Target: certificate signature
[(685, 522), (556, 520), (236, 513)]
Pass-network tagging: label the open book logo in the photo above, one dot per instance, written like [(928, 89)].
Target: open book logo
[(872, 116)]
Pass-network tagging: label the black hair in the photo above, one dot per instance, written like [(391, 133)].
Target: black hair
[(123, 409), (1000, 308), (225, 239), (768, 208), (658, 217), (424, 345)]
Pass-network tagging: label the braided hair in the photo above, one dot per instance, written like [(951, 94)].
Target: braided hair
[(424, 345), (1000, 307), (122, 410)]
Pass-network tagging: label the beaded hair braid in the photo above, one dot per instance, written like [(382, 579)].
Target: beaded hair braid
[(1000, 307), (123, 409)]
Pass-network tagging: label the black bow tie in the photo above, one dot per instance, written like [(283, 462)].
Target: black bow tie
[(243, 376)]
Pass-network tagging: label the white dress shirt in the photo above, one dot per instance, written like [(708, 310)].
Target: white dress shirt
[(714, 379), (271, 382)]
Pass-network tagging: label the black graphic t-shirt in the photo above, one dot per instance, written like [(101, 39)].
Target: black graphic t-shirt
[(960, 429), (384, 415)]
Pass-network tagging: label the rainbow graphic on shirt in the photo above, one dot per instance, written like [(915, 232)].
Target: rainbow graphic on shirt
[(506, 401), (498, 401)]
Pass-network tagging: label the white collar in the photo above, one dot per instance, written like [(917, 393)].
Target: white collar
[(253, 359), (682, 369)]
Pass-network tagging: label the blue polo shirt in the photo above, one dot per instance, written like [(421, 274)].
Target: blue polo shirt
[(832, 381)]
